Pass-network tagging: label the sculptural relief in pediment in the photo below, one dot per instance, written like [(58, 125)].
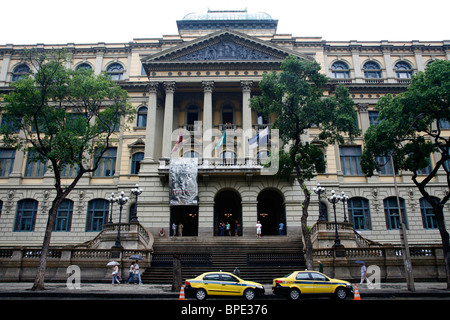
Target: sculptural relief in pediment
[(227, 50)]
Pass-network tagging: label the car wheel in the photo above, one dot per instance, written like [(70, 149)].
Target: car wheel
[(249, 294), (294, 294), (340, 293), (200, 294)]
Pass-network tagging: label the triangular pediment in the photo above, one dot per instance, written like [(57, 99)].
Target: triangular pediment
[(222, 46)]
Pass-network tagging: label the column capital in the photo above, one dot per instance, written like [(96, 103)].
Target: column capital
[(169, 86), (246, 85), (208, 86), (153, 87)]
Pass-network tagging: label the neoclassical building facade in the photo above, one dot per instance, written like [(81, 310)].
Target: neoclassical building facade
[(197, 84)]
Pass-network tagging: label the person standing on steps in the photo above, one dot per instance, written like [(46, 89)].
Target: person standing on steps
[(258, 229)]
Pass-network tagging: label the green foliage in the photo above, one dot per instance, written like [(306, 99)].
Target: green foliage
[(409, 125), (295, 95), (60, 112)]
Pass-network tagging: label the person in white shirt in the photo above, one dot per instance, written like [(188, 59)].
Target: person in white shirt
[(258, 229)]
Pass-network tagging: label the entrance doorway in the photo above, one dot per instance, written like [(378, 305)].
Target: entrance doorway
[(227, 209), (271, 212), (187, 216)]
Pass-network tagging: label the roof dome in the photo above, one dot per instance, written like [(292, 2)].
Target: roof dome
[(214, 15), (227, 19)]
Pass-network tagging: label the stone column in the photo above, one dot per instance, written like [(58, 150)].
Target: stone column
[(150, 129), (169, 87), (208, 147), (246, 116)]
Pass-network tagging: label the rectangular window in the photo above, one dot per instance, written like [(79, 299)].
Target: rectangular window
[(6, 161), (350, 160), (107, 164), (35, 167)]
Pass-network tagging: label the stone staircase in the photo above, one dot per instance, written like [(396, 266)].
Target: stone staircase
[(258, 260)]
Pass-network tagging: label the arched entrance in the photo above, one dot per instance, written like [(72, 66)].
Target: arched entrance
[(187, 216), (271, 212), (228, 209)]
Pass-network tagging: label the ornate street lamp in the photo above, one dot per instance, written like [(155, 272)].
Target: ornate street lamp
[(319, 190), (136, 192), (335, 199), (111, 201), (121, 200), (344, 199)]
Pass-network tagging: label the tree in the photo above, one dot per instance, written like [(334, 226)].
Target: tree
[(295, 96), (410, 130), (66, 118)]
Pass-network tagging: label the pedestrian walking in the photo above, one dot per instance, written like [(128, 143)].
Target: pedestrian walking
[(258, 229), (131, 274), (115, 275), (137, 272), (364, 273)]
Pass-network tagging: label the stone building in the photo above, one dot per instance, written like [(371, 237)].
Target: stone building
[(197, 83)]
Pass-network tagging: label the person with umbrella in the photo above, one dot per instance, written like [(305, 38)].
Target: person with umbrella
[(115, 272)]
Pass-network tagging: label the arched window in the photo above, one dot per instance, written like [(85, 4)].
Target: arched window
[(359, 213), (391, 212), (97, 214), (20, 71), (428, 216), (340, 70), (115, 71), (84, 66), (26, 215), (403, 70), (142, 117), (64, 216), (136, 162), (372, 70)]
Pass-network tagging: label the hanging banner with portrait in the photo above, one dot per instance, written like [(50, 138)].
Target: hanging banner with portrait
[(183, 185)]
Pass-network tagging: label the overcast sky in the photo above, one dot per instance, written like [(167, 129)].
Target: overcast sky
[(92, 21)]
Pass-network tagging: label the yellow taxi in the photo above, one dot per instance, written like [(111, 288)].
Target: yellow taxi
[(222, 284), (306, 282)]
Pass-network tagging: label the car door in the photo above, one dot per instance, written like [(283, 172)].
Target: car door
[(321, 283), (212, 283), (230, 285), (304, 282)]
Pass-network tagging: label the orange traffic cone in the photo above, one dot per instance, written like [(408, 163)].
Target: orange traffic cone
[(182, 293), (356, 295)]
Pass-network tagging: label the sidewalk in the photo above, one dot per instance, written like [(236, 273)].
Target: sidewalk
[(159, 291)]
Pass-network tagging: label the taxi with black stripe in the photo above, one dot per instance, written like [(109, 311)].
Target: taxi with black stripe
[(298, 283), (222, 284)]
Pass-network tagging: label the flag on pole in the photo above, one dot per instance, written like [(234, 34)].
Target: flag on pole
[(222, 140), (260, 139), (179, 141)]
